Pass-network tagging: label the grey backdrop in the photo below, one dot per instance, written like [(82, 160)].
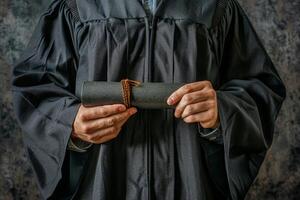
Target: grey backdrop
[(277, 23)]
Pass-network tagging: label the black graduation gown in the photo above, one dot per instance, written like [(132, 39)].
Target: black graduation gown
[(156, 156)]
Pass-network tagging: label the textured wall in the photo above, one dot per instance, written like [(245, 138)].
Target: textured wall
[(277, 23)]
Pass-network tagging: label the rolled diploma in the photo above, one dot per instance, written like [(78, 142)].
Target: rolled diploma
[(146, 95)]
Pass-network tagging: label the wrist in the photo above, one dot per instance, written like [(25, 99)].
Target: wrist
[(209, 133), (78, 145)]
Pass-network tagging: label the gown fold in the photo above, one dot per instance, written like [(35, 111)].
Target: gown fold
[(155, 156)]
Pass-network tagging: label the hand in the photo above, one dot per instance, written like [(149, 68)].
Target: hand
[(100, 124), (197, 102)]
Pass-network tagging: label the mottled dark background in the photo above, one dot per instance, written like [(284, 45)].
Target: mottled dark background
[(277, 23)]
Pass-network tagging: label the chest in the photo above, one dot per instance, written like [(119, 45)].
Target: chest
[(129, 39)]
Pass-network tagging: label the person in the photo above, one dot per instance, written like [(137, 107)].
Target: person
[(210, 146)]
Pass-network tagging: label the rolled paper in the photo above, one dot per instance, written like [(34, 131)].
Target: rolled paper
[(148, 95)]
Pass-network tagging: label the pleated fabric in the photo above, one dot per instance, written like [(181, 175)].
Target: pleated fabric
[(156, 156)]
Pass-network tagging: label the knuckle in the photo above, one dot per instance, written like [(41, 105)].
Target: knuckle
[(189, 119), (187, 88), (114, 129), (192, 118), (215, 105), (76, 125), (207, 104), (100, 124), (208, 83), (95, 113), (211, 93), (110, 122), (186, 119), (114, 135), (81, 116), (110, 131), (103, 112), (187, 98), (114, 121), (212, 104), (205, 125), (189, 109), (178, 110), (84, 128), (210, 115)]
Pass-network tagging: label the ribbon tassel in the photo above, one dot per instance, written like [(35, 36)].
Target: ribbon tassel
[(126, 90)]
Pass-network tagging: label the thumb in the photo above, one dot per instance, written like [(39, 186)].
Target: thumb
[(132, 110)]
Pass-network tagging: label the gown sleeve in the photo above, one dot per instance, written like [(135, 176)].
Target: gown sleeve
[(43, 84), (250, 94)]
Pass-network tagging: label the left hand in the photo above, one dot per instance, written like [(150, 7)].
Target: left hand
[(197, 102)]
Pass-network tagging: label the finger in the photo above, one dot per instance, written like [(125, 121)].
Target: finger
[(114, 133), (192, 109), (202, 117), (210, 124), (106, 122), (76, 135), (94, 137), (81, 136), (122, 122), (117, 118), (188, 88), (97, 112), (106, 138), (191, 98), (104, 133)]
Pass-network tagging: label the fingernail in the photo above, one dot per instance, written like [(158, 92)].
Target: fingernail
[(133, 111), (122, 108), (170, 101)]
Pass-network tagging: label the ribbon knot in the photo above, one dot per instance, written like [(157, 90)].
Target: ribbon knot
[(126, 90)]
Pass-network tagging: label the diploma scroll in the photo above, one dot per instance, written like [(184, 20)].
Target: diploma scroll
[(145, 95)]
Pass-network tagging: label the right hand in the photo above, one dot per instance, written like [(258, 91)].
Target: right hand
[(100, 124)]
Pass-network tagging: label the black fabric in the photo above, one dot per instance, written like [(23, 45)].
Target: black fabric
[(156, 156)]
